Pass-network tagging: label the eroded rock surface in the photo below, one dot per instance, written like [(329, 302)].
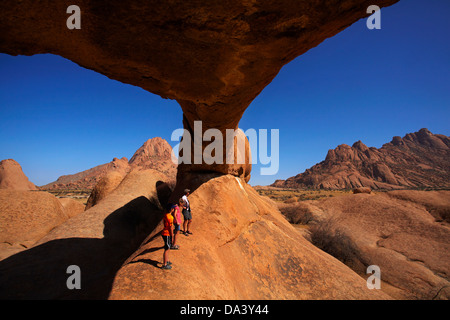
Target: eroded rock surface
[(403, 232), (241, 248), (26, 217), (12, 176)]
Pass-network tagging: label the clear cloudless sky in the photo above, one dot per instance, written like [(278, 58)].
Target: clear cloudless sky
[(57, 118)]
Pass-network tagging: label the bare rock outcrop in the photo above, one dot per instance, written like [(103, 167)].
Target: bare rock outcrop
[(402, 232), (213, 57), (71, 207), (26, 217), (362, 190), (97, 240), (418, 160), (156, 154), (107, 184), (242, 248), (12, 176)]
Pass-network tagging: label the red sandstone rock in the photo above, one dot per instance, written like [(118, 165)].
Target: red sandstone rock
[(362, 190), (400, 231), (71, 207), (12, 176), (155, 154), (87, 179), (420, 159), (107, 184), (242, 248), (26, 217)]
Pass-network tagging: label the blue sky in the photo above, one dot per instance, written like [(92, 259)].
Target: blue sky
[(57, 118)]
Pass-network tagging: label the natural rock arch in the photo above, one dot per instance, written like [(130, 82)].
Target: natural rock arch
[(214, 57)]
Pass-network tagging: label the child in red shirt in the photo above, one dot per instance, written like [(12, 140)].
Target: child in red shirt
[(167, 235)]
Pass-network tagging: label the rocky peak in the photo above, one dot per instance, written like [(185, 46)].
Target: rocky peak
[(397, 141), (419, 159), (12, 176), (425, 138), (358, 145), (153, 154), (155, 148), (344, 152)]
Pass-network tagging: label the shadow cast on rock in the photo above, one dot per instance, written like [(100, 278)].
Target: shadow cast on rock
[(41, 271), (148, 261), (191, 181)]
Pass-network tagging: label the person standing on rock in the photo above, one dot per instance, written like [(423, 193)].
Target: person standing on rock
[(167, 235), (176, 223), (186, 213)]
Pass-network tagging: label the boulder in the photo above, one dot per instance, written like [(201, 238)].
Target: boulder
[(104, 187), (26, 217), (12, 176), (71, 207), (362, 190)]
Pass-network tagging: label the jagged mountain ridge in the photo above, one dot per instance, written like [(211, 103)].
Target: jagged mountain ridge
[(418, 160)]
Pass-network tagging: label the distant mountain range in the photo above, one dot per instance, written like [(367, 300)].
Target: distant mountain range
[(154, 154), (418, 160)]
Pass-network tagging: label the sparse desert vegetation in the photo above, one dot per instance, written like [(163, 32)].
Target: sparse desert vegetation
[(79, 195), (405, 228), (287, 195)]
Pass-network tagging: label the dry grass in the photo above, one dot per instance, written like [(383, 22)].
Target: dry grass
[(329, 238), (78, 195), (296, 195), (297, 213)]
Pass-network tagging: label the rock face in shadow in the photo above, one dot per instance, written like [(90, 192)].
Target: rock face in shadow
[(214, 57), (403, 232), (97, 240), (418, 160), (12, 176), (241, 248)]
